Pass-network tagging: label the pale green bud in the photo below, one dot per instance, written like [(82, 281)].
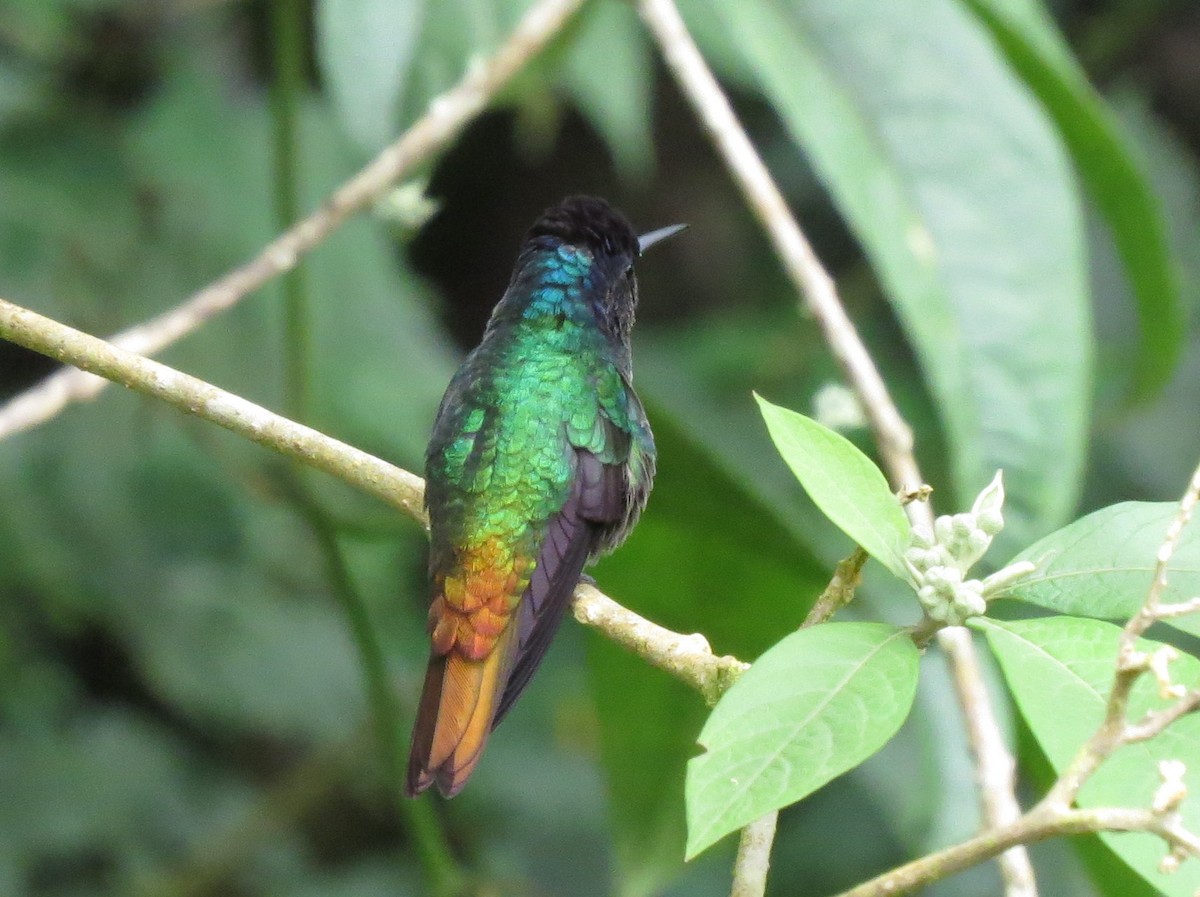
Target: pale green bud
[(989, 506)]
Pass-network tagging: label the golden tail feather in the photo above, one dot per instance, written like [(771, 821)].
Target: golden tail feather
[(458, 705)]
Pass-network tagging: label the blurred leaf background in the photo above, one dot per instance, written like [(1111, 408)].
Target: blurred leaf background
[(1007, 194)]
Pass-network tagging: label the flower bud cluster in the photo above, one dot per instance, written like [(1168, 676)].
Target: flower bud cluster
[(939, 559)]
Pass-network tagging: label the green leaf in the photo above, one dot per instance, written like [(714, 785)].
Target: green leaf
[(1102, 564), (815, 705), (963, 199), (1025, 32), (702, 374), (608, 71), (715, 541), (843, 482), (365, 49), (1060, 670)]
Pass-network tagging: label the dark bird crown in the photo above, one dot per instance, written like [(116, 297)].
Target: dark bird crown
[(588, 222)]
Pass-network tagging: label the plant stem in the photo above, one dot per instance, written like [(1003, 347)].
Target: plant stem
[(287, 87), (892, 433), (433, 850), (754, 857), (287, 20), (686, 656)]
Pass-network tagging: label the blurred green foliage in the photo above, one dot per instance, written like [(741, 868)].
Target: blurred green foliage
[(182, 704)]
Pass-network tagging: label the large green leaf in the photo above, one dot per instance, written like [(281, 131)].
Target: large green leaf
[(956, 185), (1026, 33), (1060, 670), (843, 482), (815, 705), (1102, 564), (726, 568), (365, 49), (609, 72)]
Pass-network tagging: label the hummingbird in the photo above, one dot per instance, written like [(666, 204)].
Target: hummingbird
[(541, 460)]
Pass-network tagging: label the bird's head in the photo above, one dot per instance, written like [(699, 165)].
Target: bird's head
[(606, 245)]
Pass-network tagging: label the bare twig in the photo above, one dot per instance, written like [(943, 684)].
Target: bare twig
[(446, 117), (686, 657), (754, 847), (995, 768), (796, 254), (993, 761), (840, 591), (1034, 826), (1155, 721), (1117, 730), (193, 396), (754, 857), (1153, 604)]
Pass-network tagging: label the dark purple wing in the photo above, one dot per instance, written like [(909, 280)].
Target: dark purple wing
[(597, 501)]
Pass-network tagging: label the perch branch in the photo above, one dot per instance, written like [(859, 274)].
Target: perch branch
[(687, 657), (193, 396), (994, 763), (445, 118)]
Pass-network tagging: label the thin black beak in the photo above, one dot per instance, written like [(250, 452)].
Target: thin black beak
[(645, 241)]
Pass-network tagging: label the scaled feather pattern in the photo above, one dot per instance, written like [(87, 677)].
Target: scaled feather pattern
[(540, 460)]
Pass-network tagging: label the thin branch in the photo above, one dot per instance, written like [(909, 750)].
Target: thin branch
[(1152, 607), (445, 118), (687, 657), (193, 396), (1153, 723), (1032, 827), (754, 857), (754, 847), (995, 768), (993, 761), (1182, 609), (1116, 730), (840, 591)]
